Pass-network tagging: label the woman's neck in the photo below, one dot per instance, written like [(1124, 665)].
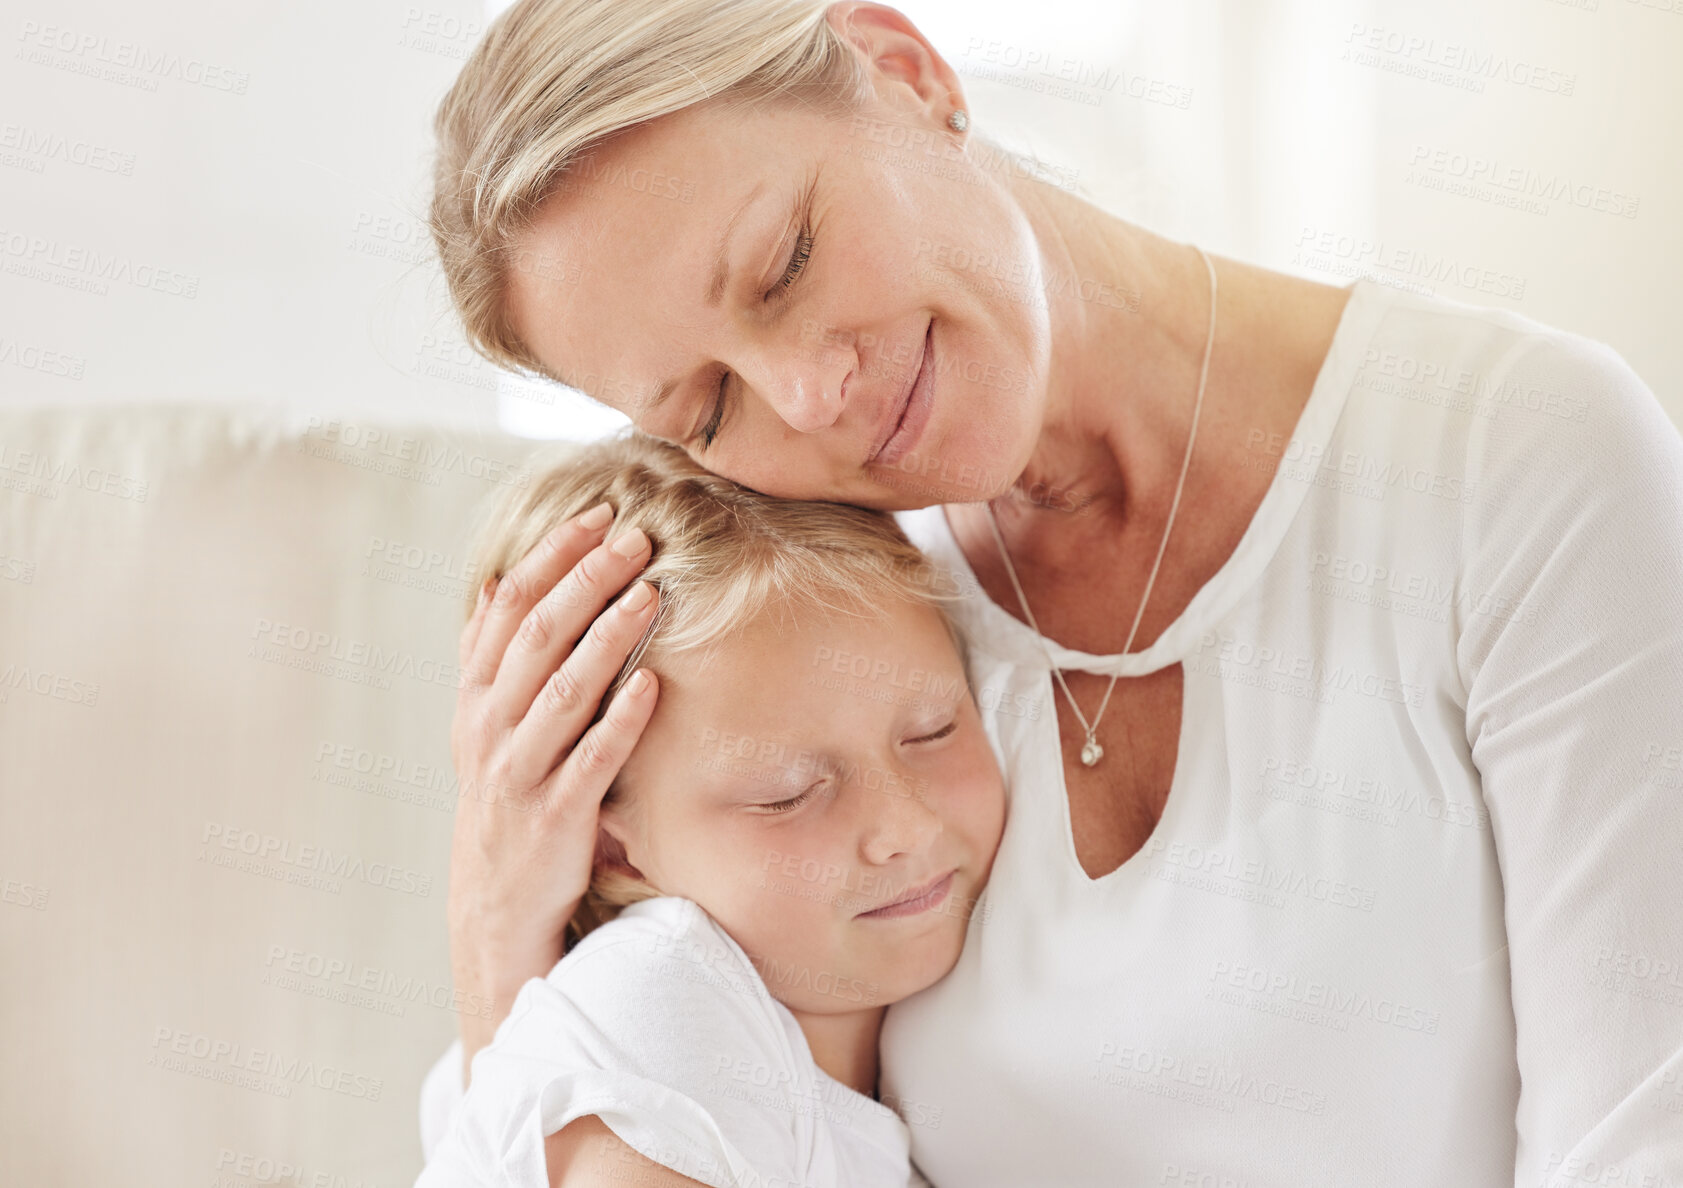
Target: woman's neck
[(1123, 369), (1123, 381), (845, 1045)]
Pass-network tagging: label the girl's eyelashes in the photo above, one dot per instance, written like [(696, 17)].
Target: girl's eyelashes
[(794, 802), (939, 734)]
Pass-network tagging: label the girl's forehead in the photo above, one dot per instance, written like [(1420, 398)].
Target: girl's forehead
[(794, 676)]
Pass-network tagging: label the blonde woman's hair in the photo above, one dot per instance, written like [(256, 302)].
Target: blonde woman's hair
[(553, 80), (723, 556)]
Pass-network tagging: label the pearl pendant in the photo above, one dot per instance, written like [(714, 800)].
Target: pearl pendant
[(1091, 753)]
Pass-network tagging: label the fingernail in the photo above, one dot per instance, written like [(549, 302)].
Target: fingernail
[(630, 543), (597, 517), (637, 598), (487, 588), (638, 682)]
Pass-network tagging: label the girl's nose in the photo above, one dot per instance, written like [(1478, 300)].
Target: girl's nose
[(898, 821)]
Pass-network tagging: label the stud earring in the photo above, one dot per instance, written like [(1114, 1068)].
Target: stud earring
[(958, 121)]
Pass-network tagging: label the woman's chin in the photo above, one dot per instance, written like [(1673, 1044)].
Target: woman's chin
[(964, 474)]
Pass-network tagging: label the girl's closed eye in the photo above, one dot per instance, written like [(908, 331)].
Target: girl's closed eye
[(794, 802), (943, 732)]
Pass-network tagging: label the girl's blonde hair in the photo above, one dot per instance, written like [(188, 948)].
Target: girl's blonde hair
[(723, 555), (553, 80)]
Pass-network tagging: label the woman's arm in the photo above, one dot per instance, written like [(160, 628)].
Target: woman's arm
[(586, 1154), (1571, 654), (536, 657)]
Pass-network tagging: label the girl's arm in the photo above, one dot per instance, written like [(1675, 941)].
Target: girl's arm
[(586, 1154)]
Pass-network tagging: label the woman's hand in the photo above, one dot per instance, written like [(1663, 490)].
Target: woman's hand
[(536, 658)]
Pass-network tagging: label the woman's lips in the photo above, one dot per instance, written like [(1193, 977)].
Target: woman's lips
[(918, 899), (913, 415)]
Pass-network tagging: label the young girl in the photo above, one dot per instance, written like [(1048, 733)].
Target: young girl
[(797, 842)]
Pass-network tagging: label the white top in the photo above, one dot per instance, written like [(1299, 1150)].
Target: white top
[(660, 1025), (1424, 839)]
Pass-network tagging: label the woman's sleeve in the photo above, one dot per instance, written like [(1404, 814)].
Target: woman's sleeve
[(441, 1095), (1570, 650)]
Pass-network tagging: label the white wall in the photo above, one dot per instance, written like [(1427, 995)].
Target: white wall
[(291, 198), (1244, 125), (1298, 133)]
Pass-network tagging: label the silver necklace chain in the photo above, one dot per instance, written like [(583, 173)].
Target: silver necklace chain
[(1091, 751)]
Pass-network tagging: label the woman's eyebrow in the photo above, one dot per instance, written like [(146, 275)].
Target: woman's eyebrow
[(715, 287), (721, 256), (667, 387), (715, 290)]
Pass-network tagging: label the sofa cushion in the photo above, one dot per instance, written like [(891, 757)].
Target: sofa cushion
[(227, 665)]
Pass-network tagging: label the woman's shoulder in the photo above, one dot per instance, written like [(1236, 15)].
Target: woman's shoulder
[(1572, 471), (1520, 392), (1451, 315), (1506, 340)]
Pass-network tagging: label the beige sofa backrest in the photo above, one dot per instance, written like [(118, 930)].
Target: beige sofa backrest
[(227, 654)]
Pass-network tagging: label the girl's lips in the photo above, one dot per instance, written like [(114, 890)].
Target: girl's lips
[(914, 415), (918, 899)]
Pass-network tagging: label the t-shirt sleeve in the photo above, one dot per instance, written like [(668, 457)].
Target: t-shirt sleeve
[(441, 1095), (1570, 650), (650, 1042)]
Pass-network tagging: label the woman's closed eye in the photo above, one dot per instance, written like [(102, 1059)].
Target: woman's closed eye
[(797, 264)]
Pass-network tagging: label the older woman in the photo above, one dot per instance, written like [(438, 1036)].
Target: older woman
[(1332, 638)]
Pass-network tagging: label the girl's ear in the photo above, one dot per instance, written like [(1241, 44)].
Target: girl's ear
[(610, 850)]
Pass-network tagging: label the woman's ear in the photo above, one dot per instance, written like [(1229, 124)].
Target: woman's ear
[(895, 50)]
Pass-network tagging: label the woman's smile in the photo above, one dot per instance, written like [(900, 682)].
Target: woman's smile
[(911, 412), (761, 388)]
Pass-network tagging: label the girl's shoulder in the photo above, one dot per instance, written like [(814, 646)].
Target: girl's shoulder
[(665, 968), (666, 936), (658, 1023)]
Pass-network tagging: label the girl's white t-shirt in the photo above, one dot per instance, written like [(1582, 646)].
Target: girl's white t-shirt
[(1413, 912), (659, 1024)]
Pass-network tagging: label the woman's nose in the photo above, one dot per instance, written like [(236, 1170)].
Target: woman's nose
[(899, 821), (806, 388)]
